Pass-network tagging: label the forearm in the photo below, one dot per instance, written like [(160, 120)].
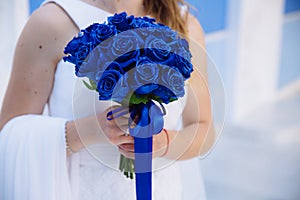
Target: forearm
[(84, 132), (192, 141)]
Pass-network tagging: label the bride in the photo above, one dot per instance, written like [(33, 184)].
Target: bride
[(71, 151)]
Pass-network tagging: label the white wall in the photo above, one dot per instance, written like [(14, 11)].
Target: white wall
[(248, 54), (258, 57)]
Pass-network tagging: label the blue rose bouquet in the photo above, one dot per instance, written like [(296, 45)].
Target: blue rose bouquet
[(134, 61)]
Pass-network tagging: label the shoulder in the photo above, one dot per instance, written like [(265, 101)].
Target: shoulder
[(195, 30), (50, 12), (196, 39), (49, 27), (49, 18)]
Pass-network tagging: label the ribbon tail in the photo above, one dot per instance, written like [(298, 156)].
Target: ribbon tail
[(143, 168), (150, 123)]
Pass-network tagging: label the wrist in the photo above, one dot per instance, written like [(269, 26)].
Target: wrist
[(68, 148), (161, 144), (166, 133), (73, 143)]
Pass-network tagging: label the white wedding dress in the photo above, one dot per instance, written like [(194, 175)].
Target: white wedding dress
[(33, 162)]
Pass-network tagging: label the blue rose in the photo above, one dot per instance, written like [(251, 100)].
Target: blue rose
[(183, 63), (82, 52), (121, 90), (143, 22), (146, 76), (125, 49), (150, 20), (73, 46), (121, 21), (79, 56), (144, 29), (84, 71), (93, 65), (100, 53), (164, 95), (100, 32), (168, 35), (158, 50), (173, 80), (146, 89), (183, 43), (107, 84), (146, 72), (115, 66), (108, 67), (144, 26), (70, 59), (125, 42)]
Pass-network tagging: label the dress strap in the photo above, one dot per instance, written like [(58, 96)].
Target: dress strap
[(183, 10), (81, 13)]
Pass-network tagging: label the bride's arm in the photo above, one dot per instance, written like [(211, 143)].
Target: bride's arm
[(198, 135), (37, 52), (39, 49)]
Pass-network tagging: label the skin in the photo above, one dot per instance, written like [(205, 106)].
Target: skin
[(40, 48)]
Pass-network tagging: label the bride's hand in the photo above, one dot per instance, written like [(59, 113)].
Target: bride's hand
[(115, 128), (160, 146), (97, 129), (93, 130)]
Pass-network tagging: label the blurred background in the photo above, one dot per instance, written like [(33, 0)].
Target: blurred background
[(255, 45)]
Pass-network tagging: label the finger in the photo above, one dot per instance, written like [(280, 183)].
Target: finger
[(116, 132), (125, 140), (124, 129), (126, 153), (118, 111), (122, 140), (121, 122), (126, 115), (127, 147), (111, 110), (122, 111), (134, 121)]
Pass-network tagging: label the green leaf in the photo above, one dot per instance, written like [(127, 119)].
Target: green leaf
[(91, 85), (126, 166), (173, 99), (87, 85), (134, 99)]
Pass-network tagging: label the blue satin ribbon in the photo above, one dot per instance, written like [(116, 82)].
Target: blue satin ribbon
[(149, 122)]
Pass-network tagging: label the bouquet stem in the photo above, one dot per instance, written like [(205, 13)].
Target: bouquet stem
[(127, 166)]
